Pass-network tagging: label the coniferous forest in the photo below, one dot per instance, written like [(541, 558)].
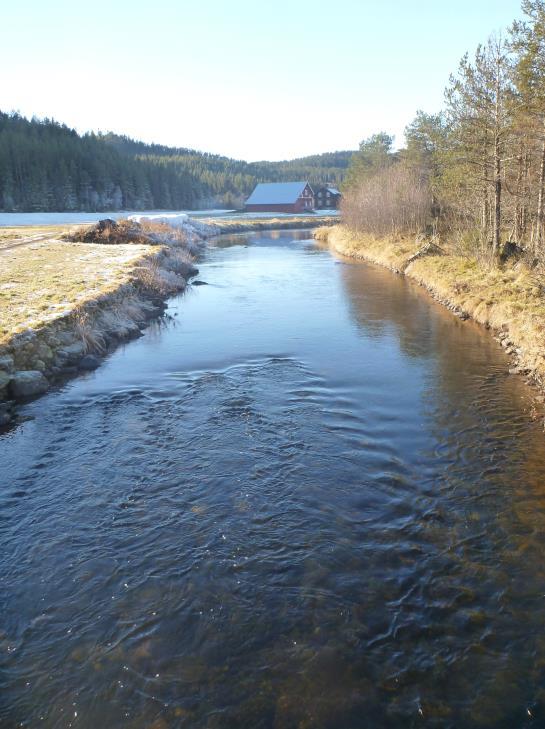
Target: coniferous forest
[(46, 166)]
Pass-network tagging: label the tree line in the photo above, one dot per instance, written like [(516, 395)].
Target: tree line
[(475, 171), (46, 166)]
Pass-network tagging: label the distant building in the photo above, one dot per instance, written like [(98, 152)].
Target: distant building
[(281, 197), (327, 198)]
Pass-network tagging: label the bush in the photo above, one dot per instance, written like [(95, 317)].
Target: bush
[(393, 201)]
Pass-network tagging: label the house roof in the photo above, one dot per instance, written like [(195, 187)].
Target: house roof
[(276, 193), (333, 191)]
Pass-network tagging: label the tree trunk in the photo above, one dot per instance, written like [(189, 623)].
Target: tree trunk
[(519, 201), (497, 199), (538, 243), (497, 165)]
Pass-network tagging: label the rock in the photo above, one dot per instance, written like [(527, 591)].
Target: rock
[(6, 363), (65, 338), (44, 352), (519, 370), (89, 362), (72, 353), (6, 409), (28, 383), (4, 379), (70, 370), (6, 413), (199, 283)]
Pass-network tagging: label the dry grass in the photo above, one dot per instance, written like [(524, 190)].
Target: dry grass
[(51, 278), (508, 298), (146, 232), (12, 237), (511, 298), (241, 225), (392, 252)]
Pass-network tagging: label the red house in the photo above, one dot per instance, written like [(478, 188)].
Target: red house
[(281, 197)]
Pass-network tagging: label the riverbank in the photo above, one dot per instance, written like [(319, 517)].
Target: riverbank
[(508, 300), (64, 305), (69, 296), (219, 226)]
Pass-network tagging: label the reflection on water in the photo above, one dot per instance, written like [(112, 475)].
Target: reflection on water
[(315, 501)]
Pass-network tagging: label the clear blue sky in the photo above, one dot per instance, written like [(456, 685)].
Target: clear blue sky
[(252, 80)]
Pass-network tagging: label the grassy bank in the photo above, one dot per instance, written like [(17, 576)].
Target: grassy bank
[(296, 222), (510, 300), (64, 304), (51, 278)]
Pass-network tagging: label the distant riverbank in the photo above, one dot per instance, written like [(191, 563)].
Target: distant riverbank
[(17, 220), (507, 300), (245, 225)]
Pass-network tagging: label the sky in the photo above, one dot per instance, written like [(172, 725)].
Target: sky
[(252, 80)]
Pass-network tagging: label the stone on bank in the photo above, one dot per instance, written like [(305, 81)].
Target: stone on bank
[(27, 384)]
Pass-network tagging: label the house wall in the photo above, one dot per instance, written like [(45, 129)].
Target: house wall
[(326, 200)]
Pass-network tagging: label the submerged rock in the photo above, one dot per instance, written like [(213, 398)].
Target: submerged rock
[(6, 413), (89, 362), (28, 383)]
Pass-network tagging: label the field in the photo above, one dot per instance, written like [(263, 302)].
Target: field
[(43, 277)]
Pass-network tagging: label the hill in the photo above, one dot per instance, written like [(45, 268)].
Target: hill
[(46, 166)]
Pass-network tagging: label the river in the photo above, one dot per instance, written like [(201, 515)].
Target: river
[(310, 497)]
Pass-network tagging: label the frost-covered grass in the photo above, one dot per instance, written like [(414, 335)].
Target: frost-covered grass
[(50, 278), (15, 236)]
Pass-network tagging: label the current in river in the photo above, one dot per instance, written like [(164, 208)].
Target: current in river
[(307, 497)]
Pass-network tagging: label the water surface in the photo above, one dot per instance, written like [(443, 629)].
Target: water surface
[(309, 498)]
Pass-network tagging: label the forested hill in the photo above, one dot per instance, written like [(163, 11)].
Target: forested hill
[(45, 166)]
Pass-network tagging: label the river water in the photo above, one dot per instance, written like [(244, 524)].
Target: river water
[(310, 498)]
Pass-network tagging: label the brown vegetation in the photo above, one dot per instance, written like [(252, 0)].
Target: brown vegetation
[(395, 200), (111, 232), (510, 299)]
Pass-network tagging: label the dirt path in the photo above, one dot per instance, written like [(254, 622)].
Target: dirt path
[(27, 242)]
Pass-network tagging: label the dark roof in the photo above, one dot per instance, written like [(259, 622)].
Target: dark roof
[(276, 193)]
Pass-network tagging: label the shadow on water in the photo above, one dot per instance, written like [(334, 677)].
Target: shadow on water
[(324, 509)]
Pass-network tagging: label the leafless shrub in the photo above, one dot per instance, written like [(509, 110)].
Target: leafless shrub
[(89, 331), (394, 201), (179, 261), (152, 276), (162, 233)]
